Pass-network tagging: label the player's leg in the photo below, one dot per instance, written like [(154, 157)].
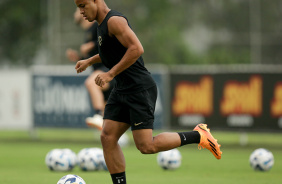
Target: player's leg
[(147, 144), (112, 131), (97, 100), (142, 113), (95, 92), (113, 128)]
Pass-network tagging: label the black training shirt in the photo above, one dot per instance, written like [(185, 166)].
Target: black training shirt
[(135, 78)]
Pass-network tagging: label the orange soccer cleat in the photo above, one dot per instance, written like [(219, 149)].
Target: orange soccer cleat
[(208, 141)]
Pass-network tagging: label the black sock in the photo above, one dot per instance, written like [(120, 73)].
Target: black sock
[(189, 137), (119, 178)]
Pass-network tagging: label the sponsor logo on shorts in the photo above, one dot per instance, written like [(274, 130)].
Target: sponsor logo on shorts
[(136, 124)]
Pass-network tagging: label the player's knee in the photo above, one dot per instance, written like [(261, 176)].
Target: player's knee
[(106, 87), (107, 138), (146, 149), (88, 83)]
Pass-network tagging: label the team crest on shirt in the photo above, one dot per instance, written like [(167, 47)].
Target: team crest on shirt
[(100, 40)]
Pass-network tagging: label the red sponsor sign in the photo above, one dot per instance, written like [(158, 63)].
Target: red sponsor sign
[(242, 97), (276, 103), (193, 97)]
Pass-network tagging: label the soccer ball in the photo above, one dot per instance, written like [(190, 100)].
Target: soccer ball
[(71, 179), (91, 159), (261, 159), (103, 165), (61, 160), (72, 156), (123, 140), (169, 160)]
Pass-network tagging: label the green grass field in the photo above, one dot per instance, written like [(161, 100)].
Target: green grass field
[(22, 160)]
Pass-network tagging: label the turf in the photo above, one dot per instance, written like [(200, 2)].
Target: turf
[(22, 159)]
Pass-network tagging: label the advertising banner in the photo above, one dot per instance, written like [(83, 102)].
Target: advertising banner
[(160, 107), (15, 106), (242, 100), (62, 100)]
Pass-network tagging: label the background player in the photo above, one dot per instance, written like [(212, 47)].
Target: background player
[(98, 95)]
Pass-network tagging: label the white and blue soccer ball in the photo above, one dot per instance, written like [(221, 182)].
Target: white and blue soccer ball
[(61, 160), (124, 140), (71, 179), (169, 160), (91, 159), (103, 165), (261, 159), (72, 156)]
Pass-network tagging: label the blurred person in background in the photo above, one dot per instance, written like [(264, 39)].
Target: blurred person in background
[(132, 100), (98, 94)]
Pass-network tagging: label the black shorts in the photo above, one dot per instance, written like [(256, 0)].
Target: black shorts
[(136, 109)]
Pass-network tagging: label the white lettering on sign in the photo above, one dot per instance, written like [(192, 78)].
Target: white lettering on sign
[(56, 97)]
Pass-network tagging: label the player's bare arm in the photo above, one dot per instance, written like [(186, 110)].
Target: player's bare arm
[(86, 48), (81, 65), (119, 28), (72, 55)]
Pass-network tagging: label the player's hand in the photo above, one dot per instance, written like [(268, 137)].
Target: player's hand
[(81, 65), (72, 55), (103, 78)]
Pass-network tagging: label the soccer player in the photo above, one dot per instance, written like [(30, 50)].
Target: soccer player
[(97, 94), (132, 101)]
